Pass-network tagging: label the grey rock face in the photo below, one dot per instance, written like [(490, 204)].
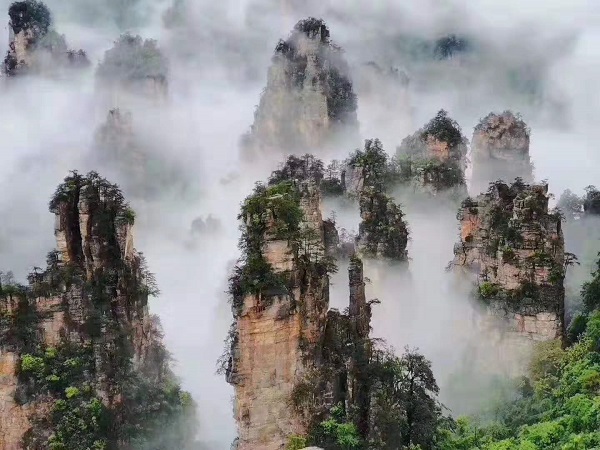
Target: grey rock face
[(308, 101), (500, 151)]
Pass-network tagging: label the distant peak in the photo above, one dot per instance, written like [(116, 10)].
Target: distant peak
[(313, 28)]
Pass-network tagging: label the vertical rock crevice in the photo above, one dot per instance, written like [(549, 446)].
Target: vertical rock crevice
[(83, 337)]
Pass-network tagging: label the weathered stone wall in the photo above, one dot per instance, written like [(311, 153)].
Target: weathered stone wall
[(515, 248), (500, 151), (62, 314), (278, 339)]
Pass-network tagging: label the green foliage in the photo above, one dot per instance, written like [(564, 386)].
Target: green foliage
[(341, 99), (404, 407), (383, 231), (30, 14), (444, 129), (372, 163), (560, 410), (442, 175), (508, 255), (126, 216), (577, 328), (32, 364), (591, 202), (590, 293), (297, 443), (80, 421), (488, 290), (297, 169), (337, 432)]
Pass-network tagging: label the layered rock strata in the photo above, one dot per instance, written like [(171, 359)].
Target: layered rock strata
[(309, 102), (278, 329), (290, 358), (515, 248), (500, 149), (80, 333)]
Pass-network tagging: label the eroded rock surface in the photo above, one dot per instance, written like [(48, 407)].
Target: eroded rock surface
[(515, 248), (78, 341), (500, 151), (309, 102), (432, 161)]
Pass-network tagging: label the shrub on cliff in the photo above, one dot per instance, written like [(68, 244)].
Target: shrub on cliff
[(444, 129)]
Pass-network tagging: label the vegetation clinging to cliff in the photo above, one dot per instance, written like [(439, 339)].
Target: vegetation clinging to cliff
[(94, 358), (275, 209), (30, 14)]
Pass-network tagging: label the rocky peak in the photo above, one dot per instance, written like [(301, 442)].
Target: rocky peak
[(133, 68), (433, 159), (280, 297), (83, 346), (382, 233), (515, 247), (309, 101), (33, 44), (500, 150), (93, 223)]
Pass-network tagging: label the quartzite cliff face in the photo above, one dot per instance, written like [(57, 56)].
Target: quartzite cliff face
[(78, 342), (500, 151), (515, 247), (433, 160), (279, 326), (308, 103), (289, 356)]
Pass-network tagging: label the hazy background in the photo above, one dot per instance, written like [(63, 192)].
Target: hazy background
[(541, 58)]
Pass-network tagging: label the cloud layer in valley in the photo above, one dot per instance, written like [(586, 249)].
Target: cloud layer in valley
[(541, 59)]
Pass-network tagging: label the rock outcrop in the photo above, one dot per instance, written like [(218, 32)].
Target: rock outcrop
[(133, 69), (382, 233), (280, 312), (79, 345), (515, 248), (34, 47), (433, 160), (309, 102), (290, 358), (500, 151)]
